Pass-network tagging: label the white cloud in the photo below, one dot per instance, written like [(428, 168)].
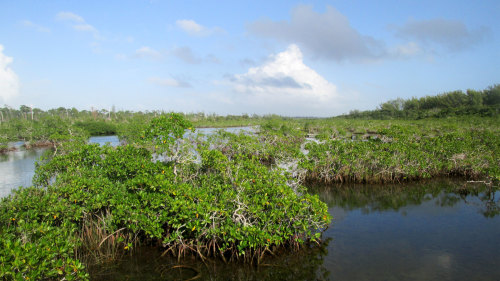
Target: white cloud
[(147, 52), (285, 85), (84, 27), (69, 16), (406, 50), (35, 26), (190, 26), (170, 82), (195, 29), (9, 82), (78, 23)]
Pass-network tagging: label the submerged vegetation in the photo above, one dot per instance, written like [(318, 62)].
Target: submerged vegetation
[(219, 196)]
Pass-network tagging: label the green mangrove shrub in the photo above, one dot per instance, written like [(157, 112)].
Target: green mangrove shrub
[(92, 203)]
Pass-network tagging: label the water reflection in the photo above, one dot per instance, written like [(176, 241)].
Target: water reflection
[(436, 230), (17, 169), (399, 197), (147, 264), (103, 140)]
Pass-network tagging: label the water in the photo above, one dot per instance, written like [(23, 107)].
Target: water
[(103, 140), (428, 231), (17, 169), (432, 231)]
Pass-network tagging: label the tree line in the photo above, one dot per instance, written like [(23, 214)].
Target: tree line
[(456, 103)]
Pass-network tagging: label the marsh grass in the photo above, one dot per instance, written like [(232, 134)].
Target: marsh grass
[(98, 245)]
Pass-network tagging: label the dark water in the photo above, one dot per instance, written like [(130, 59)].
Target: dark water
[(429, 231)]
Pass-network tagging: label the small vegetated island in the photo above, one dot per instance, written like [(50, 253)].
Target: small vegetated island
[(234, 197)]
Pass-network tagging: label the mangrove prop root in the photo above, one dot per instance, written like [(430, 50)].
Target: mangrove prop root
[(110, 236)]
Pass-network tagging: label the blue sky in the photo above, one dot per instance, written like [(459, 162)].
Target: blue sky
[(319, 58)]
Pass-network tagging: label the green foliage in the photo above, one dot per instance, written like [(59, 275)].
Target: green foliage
[(163, 132), (35, 242), (405, 151), (97, 128), (456, 103), (89, 197)]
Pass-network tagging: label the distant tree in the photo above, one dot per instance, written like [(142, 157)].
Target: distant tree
[(492, 95)]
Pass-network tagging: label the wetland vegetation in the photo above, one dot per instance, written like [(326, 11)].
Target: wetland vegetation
[(235, 197)]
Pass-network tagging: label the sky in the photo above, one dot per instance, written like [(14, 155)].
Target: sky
[(291, 58)]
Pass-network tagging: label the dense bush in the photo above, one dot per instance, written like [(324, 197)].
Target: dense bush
[(92, 203), (400, 153), (97, 128), (457, 103)]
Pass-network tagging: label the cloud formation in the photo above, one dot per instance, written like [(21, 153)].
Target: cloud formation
[(170, 82), (9, 82), (77, 22), (35, 26), (286, 85), (186, 55), (406, 50), (452, 35), (147, 52), (194, 29), (190, 26), (328, 35), (69, 16)]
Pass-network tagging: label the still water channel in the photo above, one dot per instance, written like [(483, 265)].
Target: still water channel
[(436, 230)]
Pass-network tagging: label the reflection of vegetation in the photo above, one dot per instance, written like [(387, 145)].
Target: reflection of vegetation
[(492, 205), (304, 264), (376, 198), (22, 154)]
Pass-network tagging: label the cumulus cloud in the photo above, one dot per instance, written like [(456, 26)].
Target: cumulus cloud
[(9, 82), (170, 82), (287, 86), (195, 29), (147, 52), (452, 35), (35, 26), (326, 35)]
